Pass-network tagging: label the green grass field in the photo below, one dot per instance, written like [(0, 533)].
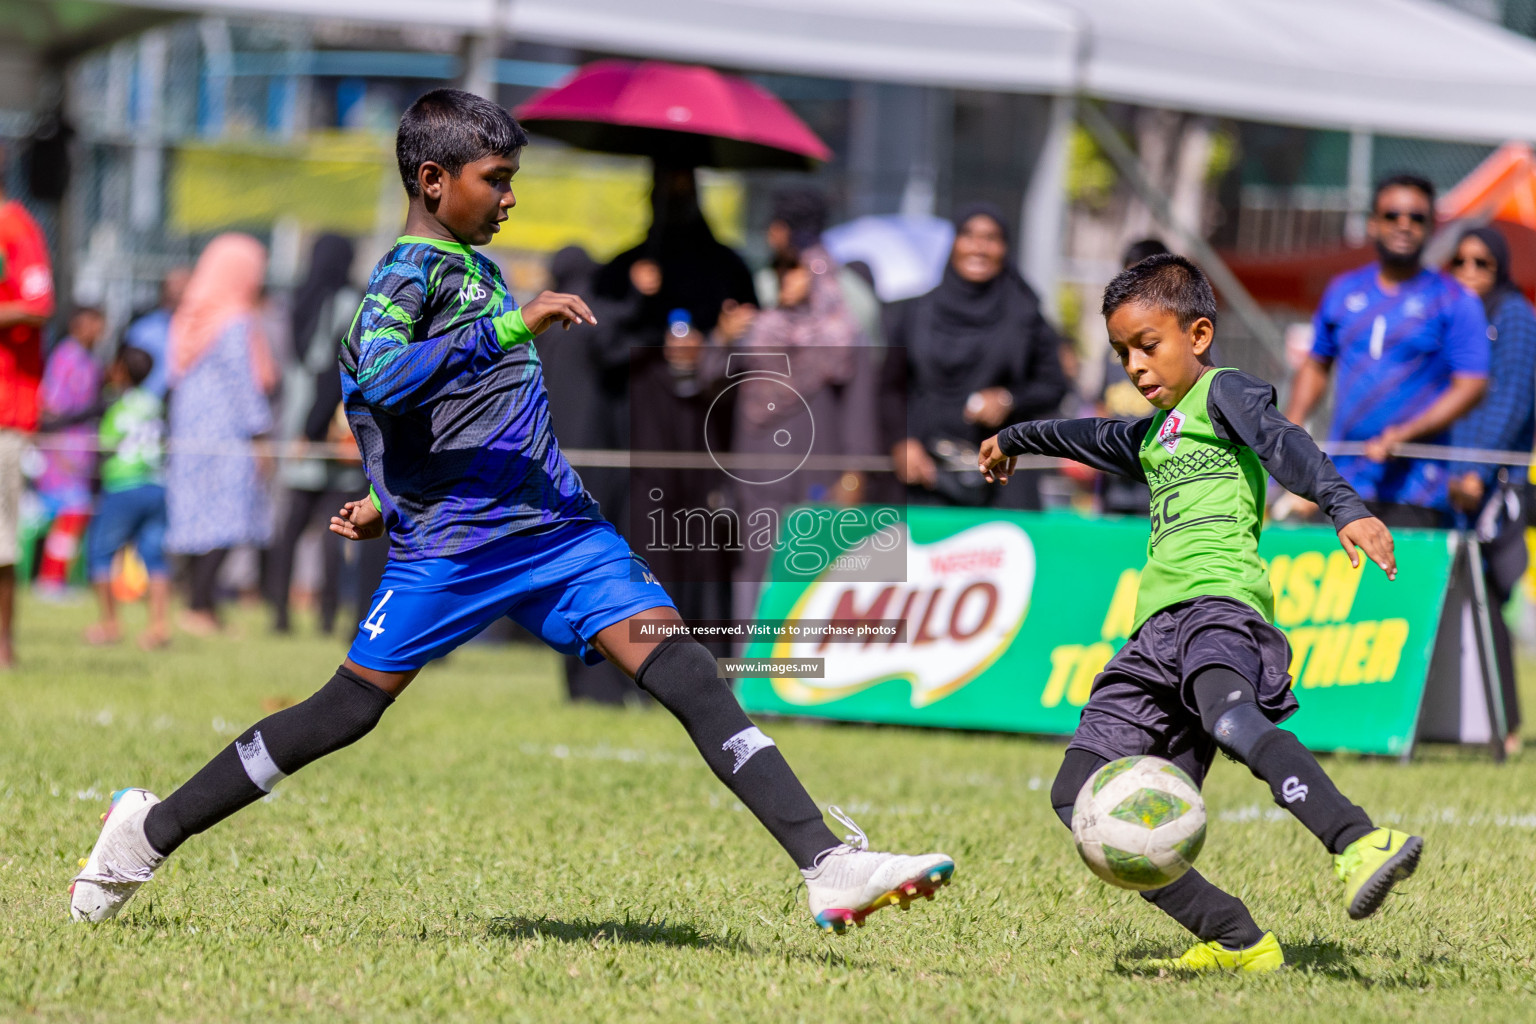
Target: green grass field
[(492, 853)]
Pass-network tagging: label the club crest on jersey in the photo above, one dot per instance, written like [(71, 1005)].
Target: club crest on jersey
[(1356, 301), (1168, 433)]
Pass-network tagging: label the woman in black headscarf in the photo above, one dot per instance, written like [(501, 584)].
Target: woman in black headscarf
[(684, 284), (323, 307), (330, 268), (570, 372), (679, 265), (978, 355), (680, 272), (584, 416), (1491, 498)]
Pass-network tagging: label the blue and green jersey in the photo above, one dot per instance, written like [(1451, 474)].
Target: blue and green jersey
[(446, 397)]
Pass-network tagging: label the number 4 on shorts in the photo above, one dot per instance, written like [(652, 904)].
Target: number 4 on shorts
[(374, 623)]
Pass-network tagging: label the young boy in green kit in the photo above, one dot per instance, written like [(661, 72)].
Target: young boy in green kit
[(131, 508), (1204, 667)]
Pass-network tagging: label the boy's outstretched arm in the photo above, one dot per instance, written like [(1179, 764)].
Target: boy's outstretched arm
[(1105, 444), (1242, 407)]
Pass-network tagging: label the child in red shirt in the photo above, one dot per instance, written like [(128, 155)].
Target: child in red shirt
[(26, 302)]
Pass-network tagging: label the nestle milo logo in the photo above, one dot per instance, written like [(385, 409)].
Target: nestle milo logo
[(963, 601)]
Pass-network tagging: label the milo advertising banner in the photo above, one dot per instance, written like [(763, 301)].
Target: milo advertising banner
[(1010, 616)]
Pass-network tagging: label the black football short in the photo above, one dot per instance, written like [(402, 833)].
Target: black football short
[(1142, 704)]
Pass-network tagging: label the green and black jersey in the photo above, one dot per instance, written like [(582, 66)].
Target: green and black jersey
[(1207, 462)]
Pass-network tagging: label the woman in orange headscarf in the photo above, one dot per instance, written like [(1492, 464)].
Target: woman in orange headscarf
[(220, 372)]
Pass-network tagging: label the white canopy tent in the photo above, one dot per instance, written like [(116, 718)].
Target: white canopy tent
[(1401, 67), (1017, 45), (1405, 67), (1393, 67)]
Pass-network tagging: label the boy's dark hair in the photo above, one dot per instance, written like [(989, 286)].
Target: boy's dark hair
[(136, 363), (1401, 180), (1140, 250), (451, 128), (1165, 281)]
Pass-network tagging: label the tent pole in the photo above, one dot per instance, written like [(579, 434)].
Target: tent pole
[(1488, 659), (1361, 144), (1243, 304), (482, 50), (1044, 209)]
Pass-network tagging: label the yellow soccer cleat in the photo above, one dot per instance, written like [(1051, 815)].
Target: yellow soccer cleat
[(1370, 866), (1260, 958)]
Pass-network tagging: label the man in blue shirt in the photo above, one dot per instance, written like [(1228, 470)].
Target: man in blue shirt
[(1411, 349)]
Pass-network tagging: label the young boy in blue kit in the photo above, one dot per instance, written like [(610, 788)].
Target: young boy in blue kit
[(445, 395)]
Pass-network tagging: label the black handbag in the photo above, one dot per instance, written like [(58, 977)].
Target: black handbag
[(958, 486), (1501, 532)]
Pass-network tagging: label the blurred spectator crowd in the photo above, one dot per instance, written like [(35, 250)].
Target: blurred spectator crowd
[(210, 425)]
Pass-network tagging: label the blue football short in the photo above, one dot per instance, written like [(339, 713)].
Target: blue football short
[(135, 516), (565, 585)]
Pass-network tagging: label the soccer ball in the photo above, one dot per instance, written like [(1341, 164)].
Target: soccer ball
[(1139, 823)]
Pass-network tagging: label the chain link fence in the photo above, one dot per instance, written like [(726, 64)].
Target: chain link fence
[(135, 105)]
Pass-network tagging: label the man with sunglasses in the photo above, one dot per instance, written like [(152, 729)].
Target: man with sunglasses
[(1410, 346)]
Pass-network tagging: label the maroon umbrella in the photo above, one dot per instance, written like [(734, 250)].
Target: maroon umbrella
[(680, 115)]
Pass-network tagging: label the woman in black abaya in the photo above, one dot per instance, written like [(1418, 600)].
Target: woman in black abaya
[(679, 265), (679, 283), (970, 356), (323, 307)]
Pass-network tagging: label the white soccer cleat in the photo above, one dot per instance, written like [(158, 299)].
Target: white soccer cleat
[(850, 882), (121, 861)]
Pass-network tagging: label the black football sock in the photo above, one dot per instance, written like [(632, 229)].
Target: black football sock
[(681, 674), (1298, 783), (1076, 767), (1211, 914), (341, 712)]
